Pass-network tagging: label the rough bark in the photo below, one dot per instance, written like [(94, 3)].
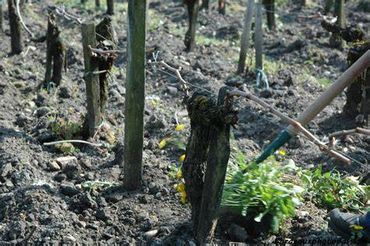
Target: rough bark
[(207, 154), (193, 9), (244, 43), (105, 35), (110, 7), (135, 94), (218, 157), (358, 93), (201, 109), (15, 29), (93, 117)]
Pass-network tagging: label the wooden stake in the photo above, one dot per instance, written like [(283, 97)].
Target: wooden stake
[(93, 117), (270, 13), (1, 16), (110, 7), (193, 9), (135, 94), (244, 43), (258, 37), (15, 29)]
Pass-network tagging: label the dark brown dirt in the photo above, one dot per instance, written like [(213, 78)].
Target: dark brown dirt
[(52, 205)]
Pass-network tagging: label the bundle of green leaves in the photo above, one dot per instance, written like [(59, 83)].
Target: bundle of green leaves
[(332, 190), (262, 189)]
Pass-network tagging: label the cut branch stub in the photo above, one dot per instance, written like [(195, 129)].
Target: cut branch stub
[(105, 35)]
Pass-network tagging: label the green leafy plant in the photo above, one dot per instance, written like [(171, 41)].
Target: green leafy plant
[(332, 190), (262, 189), (65, 129)]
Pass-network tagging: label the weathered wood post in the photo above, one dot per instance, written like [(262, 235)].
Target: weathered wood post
[(205, 5), (218, 157), (193, 9), (328, 5), (1, 16), (222, 7), (339, 11), (93, 117), (15, 29), (270, 13), (244, 42), (55, 53), (110, 7), (135, 94), (258, 36)]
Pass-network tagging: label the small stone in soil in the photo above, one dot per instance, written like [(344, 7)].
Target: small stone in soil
[(237, 233), (68, 189), (53, 166), (150, 234)]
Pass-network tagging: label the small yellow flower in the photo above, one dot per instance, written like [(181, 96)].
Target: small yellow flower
[(162, 143), (182, 158), (180, 187), (179, 174), (180, 127), (183, 197), (356, 227), (282, 152)]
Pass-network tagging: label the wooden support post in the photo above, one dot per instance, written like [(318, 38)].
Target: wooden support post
[(222, 7), (135, 94), (110, 7), (193, 9), (328, 6), (1, 16), (258, 36), (218, 157), (205, 5), (15, 29), (55, 53), (93, 117), (244, 43), (270, 13)]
